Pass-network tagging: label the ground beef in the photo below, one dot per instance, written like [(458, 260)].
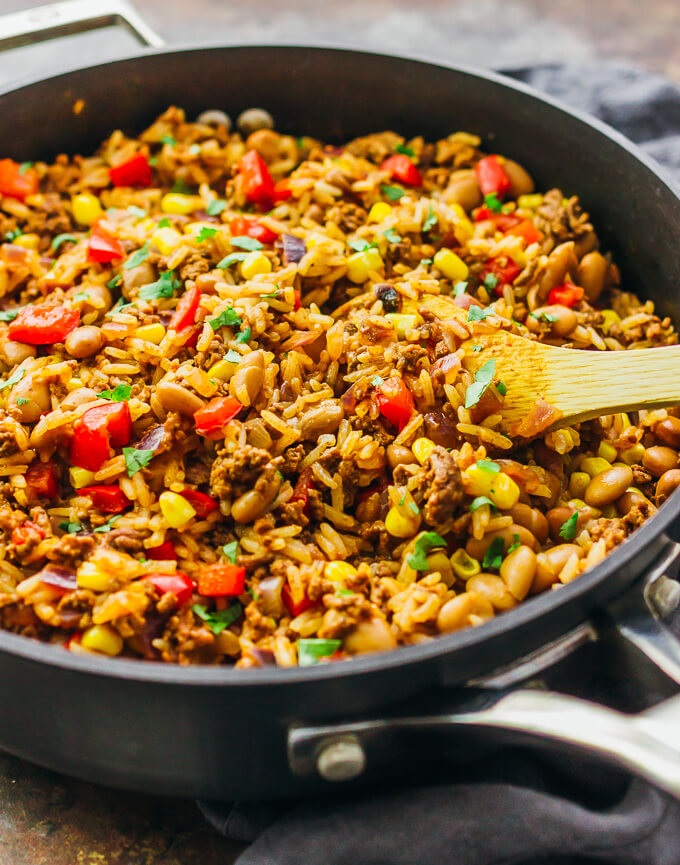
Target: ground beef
[(409, 357), (347, 216), (72, 550), (21, 620), (9, 519), (561, 222), (125, 540), (197, 473), (613, 532), (241, 467), (8, 443), (194, 266), (375, 147), (182, 638), (292, 457), (444, 487), (372, 427)]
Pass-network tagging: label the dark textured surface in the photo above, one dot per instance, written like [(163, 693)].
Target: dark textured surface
[(45, 818)]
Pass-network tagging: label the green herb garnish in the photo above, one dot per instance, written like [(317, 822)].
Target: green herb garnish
[(344, 592), (23, 168), (361, 245), (217, 621), (479, 502), (108, 525), (164, 286), (230, 550), (460, 288), (137, 257), (392, 236), (493, 557), (516, 543), (568, 528), (402, 148), (426, 261), (244, 242), (547, 317), (244, 336), (502, 388), (478, 313), (493, 203), (62, 238), (430, 220), (12, 235), (418, 560), (311, 650), (227, 318), (215, 207), (13, 379), (120, 393), (491, 281), (165, 222), (232, 258), (21, 400), (394, 193), (115, 281), (477, 348), (136, 459), (488, 465), (483, 378), (376, 381), (168, 139), (9, 314), (71, 528), (205, 234), (181, 187)]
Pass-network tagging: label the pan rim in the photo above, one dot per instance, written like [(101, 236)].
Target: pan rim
[(532, 611)]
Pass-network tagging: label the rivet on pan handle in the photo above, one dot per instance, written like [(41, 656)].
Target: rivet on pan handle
[(646, 744), (69, 17)]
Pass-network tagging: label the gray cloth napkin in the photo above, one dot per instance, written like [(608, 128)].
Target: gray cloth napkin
[(515, 806)]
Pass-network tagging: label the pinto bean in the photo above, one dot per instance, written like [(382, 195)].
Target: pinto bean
[(668, 432), (15, 352), (266, 142), (550, 563), (252, 119), (659, 459), (84, 341), (175, 397), (519, 177), (561, 319), (253, 504), (246, 383), (667, 484), (628, 500), (373, 635), (477, 548), (592, 274), (398, 455), (561, 262), (532, 519), (78, 397), (464, 189), (323, 418), (36, 392), (493, 589), (607, 486), (518, 570)]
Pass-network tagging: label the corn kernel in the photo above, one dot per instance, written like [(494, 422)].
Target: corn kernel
[(464, 566), (86, 208), (151, 333), (360, 264), (497, 486), (80, 477), (632, 455), (166, 240), (103, 639), (379, 211), (607, 452), (89, 576), (255, 264), (577, 503), (422, 448), (530, 202), (176, 509), (463, 230), (402, 522), (28, 241), (74, 384), (403, 323), (338, 571), (594, 465), (609, 512), (609, 318), (223, 369), (175, 202), (452, 266), (578, 482)]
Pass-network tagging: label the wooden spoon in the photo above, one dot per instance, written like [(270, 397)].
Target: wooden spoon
[(581, 385)]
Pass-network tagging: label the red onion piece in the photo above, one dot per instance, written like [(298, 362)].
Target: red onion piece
[(58, 578), (294, 248), (152, 440), (269, 591)]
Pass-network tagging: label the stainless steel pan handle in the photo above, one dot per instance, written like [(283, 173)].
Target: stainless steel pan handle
[(69, 17), (646, 744)]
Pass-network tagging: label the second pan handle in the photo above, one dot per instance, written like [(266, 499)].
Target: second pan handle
[(72, 16)]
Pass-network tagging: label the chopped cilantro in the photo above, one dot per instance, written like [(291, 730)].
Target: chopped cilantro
[(227, 318), (502, 388), (120, 393), (13, 379), (493, 203), (402, 148), (163, 287), (194, 149), (23, 168), (392, 236), (108, 525), (82, 295), (205, 234), (244, 336), (215, 207), (9, 314), (62, 238), (153, 160), (426, 261), (136, 459), (413, 507), (218, 620), (418, 560), (139, 212), (115, 281), (181, 187), (479, 501), (478, 313), (117, 307), (137, 257), (311, 650), (516, 543), (233, 356), (230, 550), (165, 222), (344, 592), (394, 193), (460, 288), (483, 378), (21, 400), (71, 528), (547, 317), (360, 245), (249, 243), (232, 258), (168, 139), (477, 348), (491, 281), (12, 235), (376, 381), (430, 219), (488, 465), (493, 557), (568, 529)]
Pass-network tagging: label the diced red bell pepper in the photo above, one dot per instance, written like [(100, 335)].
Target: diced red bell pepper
[(258, 185), (74, 639), (248, 226), (108, 499), (41, 479), (103, 247), (178, 584), (395, 401), (202, 503), (525, 229), (221, 580), (212, 417), (25, 532), (165, 552), (44, 325), (99, 429), (566, 294), (135, 171), (297, 303), (402, 169), (282, 190), (17, 184), (504, 273), (295, 606), (185, 314), (492, 177), (301, 490)]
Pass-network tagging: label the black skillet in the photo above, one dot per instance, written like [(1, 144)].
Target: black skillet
[(225, 733)]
